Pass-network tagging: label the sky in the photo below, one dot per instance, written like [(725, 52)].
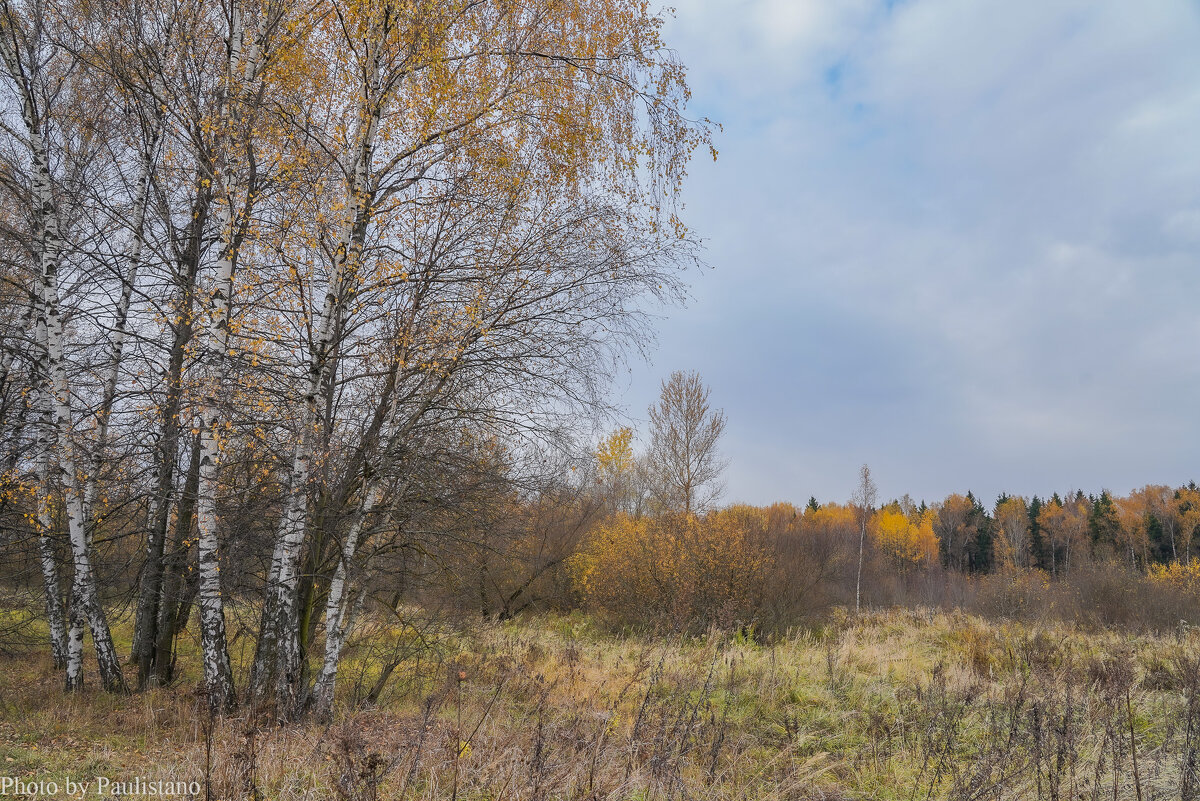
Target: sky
[(956, 241)]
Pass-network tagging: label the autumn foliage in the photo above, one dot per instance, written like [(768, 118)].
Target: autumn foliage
[(1098, 559), (1184, 578), (675, 569), (908, 540)]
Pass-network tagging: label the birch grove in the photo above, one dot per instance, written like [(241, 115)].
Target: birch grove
[(291, 282)]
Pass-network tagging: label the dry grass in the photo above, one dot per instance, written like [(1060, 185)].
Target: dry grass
[(894, 705)]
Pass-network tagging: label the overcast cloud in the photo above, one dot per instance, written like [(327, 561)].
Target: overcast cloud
[(955, 240)]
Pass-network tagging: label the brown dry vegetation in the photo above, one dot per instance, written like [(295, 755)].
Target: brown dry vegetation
[(891, 705)]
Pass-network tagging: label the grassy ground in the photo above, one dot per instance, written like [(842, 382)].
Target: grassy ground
[(892, 705)]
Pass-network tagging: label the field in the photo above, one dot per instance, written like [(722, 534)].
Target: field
[(891, 705)]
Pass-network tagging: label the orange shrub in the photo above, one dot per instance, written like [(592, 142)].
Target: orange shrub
[(680, 570), (1184, 578)]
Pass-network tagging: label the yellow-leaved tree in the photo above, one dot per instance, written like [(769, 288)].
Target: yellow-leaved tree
[(954, 529), (1012, 540), (615, 468), (1187, 511), (906, 542), (1177, 578)]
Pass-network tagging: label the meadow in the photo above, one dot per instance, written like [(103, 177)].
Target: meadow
[(901, 704)]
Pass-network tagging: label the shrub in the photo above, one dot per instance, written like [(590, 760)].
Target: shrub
[(678, 570), (812, 560), (1184, 578)]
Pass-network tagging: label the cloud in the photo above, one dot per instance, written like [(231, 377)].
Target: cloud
[(1184, 225), (955, 240)]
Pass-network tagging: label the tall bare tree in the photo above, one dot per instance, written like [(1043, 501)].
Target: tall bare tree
[(863, 501), (683, 457)]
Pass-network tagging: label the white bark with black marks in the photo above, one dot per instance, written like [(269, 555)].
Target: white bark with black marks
[(280, 614), (52, 592), (338, 617), (85, 595), (21, 64), (218, 673)]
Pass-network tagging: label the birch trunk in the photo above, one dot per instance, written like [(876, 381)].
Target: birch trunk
[(8, 355), (151, 595), (337, 619), (278, 655), (53, 595), (218, 674), (45, 524), (241, 72), (862, 543), (88, 601), (172, 604)]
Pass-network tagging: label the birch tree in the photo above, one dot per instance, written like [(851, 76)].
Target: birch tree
[(52, 593), (36, 71), (863, 502), (249, 43), (335, 247), (449, 97)]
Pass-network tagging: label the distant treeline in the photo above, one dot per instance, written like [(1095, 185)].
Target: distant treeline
[(1098, 559)]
